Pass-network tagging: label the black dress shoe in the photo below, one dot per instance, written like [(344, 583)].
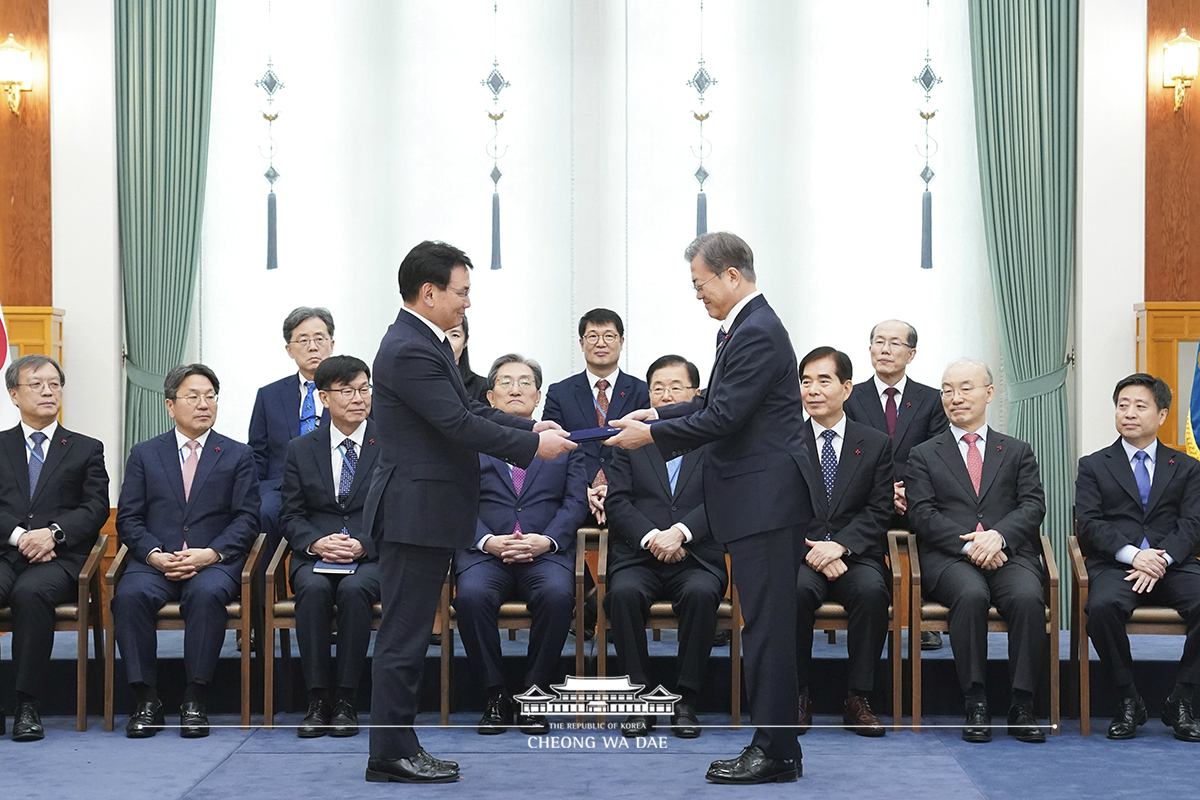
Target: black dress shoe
[(1023, 725), (859, 717), (145, 721), (805, 715), (497, 715), (636, 725), (684, 723), (421, 768), (753, 767), (27, 723), (1176, 713), (316, 721), (931, 640), (1130, 714), (423, 757), (533, 724), (722, 638), (344, 721), (193, 720), (978, 727)]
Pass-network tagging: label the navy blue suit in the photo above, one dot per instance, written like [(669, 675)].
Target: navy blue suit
[(571, 404), (757, 501), (221, 513), (552, 502)]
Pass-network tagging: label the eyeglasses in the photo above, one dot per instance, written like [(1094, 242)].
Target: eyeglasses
[(894, 344), (307, 341), (696, 287), (948, 393), (194, 399), (609, 337), (348, 392), (659, 391), (463, 293), (37, 386), (506, 383)]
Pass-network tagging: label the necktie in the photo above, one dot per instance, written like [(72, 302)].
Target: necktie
[(189, 467), (722, 338), (601, 419), (828, 462), (37, 457), (1142, 474), (673, 471), (308, 410), (889, 410), (349, 464), (518, 478), (974, 465)]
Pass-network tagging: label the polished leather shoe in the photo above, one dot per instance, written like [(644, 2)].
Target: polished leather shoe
[(931, 640), (497, 715), (421, 768), (533, 724), (978, 727), (684, 723), (27, 723), (344, 721), (859, 717), (805, 716), (753, 767), (1130, 714), (193, 720), (146, 720), (316, 721), (423, 757), (636, 725), (1175, 713), (1023, 725)]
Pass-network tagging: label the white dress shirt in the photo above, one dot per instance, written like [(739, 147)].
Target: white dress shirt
[(882, 387), (49, 430), (441, 334)]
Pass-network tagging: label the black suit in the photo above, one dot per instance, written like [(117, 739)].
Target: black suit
[(571, 404), (311, 510), (942, 505), (856, 517), (919, 418), (1109, 515), (640, 500), (757, 501), (423, 503), (72, 491)]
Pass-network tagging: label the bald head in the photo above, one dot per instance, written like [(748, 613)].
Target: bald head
[(966, 391)]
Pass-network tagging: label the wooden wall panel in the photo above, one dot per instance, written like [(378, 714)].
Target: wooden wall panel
[(25, 263), (1172, 164)]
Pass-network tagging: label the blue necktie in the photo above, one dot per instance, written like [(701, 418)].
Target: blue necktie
[(308, 410), (36, 459), (673, 471), (349, 464), (1142, 475), (828, 462)]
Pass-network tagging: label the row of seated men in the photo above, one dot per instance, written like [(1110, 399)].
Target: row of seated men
[(975, 513)]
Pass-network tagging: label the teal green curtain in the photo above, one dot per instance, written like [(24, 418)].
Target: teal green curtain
[(164, 52), (1023, 63)]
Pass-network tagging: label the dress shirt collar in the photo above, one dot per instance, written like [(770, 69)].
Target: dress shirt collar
[(611, 377), (336, 437), (48, 430), (181, 440), (881, 387), (838, 428), (1131, 451), (737, 309), (441, 334), (959, 433)]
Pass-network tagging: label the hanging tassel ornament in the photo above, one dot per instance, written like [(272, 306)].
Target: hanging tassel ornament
[(270, 84), (495, 83), (701, 81), (926, 79)]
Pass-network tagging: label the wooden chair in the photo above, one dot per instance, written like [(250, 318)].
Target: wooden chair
[(280, 615), (928, 615), (662, 617), (88, 609), (238, 615), (1146, 619), (513, 616)]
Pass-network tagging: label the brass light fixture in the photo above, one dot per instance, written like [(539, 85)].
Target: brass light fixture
[(16, 72), (1181, 63)]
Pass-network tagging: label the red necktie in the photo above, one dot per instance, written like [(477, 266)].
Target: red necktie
[(189, 467), (601, 419), (974, 465), (889, 410)]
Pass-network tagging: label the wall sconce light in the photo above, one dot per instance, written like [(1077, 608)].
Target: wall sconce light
[(1181, 63), (16, 72)]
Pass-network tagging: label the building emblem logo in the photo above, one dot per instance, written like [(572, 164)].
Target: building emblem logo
[(582, 695)]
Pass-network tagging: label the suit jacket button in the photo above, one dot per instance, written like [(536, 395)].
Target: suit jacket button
[(1145, 527), (979, 515), (346, 517), (602, 461), (518, 508), (673, 508), (31, 516), (185, 528)]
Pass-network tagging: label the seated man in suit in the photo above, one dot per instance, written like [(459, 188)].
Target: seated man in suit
[(53, 502), (847, 539), (975, 504), (188, 513), (288, 408), (325, 480), (1137, 507), (660, 546), (907, 411), (524, 549)]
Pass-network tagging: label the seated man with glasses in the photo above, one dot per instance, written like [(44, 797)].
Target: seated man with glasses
[(660, 547), (524, 549), (188, 513), (325, 480)]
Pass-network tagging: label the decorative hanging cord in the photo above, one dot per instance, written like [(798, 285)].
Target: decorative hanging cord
[(496, 83), (926, 79), (270, 84), (701, 81)]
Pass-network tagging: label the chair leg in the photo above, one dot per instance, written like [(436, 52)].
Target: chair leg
[(1055, 699), (832, 636), (81, 662), (110, 658), (897, 675), (246, 651), (735, 673), (269, 676), (1085, 683), (447, 658), (914, 659)]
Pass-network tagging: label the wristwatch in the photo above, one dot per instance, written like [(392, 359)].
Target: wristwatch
[(57, 533)]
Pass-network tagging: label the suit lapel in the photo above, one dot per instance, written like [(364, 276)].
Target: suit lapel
[(1164, 471), (848, 465), (56, 451), (869, 402), (14, 446), (172, 466), (319, 444), (288, 402), (686, 468), (366, 462), (1119, 468), (208, 460), (947, 450), (906, 411), (622, 396), (585, 398), (813, 474), (992, 459), (530, 474)]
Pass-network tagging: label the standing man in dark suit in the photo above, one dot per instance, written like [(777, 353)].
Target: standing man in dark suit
[(53, 502), (289, 407), (424, 497), (754, 489), (907, 411), (325, 480), (188, 513), (524, 548), (660, 546), (976, 504), (1137, 507), (848, 538)]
